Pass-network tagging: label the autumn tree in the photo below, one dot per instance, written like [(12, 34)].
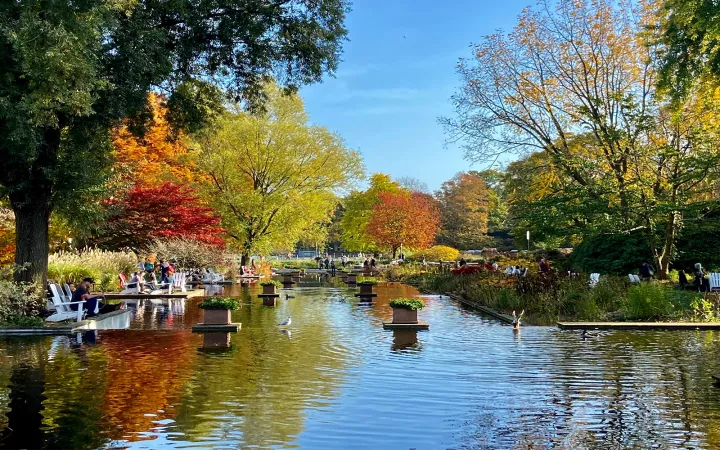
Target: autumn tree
[(464, 206), (70, 71), (401, 218), (358, 208), (576, 81), (273, 177), (157, 156), (167, 210)]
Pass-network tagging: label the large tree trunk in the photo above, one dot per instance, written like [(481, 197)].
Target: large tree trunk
[(32, 242)]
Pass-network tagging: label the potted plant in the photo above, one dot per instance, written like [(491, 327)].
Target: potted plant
[(405, 309), (288, 278), (216, 310), (351, 278), (366, 287), (269, 287)]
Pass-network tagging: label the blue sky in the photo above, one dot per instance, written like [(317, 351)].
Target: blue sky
[(396, 79)]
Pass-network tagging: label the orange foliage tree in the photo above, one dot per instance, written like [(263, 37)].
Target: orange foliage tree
[(402, 218), (7, 236), (156, 157)]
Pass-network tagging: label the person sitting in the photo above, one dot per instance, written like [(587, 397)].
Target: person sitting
[(509, 270), (82, 292), (463, 262)]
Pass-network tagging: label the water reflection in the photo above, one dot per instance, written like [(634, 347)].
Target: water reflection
[(335, 379), (404, 339), (216, 341)]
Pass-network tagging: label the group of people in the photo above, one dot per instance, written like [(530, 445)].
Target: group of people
[(700, 283), (166, 269)]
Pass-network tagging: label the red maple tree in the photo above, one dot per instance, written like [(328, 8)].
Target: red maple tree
[(410, 219), (166, 210)]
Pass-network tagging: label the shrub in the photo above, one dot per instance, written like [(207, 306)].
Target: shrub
[(187, 253), (648, 301), (219, 303), (271, 283), (20, 300), (367, 283), (440, 253), (412, 304), (618, 254)]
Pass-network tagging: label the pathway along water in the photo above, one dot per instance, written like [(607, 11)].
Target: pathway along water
[(336, 380)]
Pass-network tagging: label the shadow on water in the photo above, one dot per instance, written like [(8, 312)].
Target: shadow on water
[(335, 379)]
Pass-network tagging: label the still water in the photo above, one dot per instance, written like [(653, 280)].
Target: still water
[(336, 380)]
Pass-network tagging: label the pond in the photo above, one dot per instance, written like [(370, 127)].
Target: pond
[(336, 380)]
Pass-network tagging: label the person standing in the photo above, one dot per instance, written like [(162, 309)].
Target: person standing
[(332, 267), (646, 271), (149, 267), (544, 267)]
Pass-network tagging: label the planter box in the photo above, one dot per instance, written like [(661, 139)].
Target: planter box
[(352, 278), (402, 315), (287, 279), (216, 316), (270, 289), (366, 288)]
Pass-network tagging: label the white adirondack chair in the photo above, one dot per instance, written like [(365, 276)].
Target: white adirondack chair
[(63, 311), (634, 278), (594, 278), (216, 277), (207, 278), (157, 288), (129, 288), (714, 282), (179, 282)]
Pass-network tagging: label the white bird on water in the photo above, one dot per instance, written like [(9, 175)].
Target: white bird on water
[(287, 322)]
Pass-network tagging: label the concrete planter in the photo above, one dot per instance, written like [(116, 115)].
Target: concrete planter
[(216, 316), (403, 315), (269, 289)]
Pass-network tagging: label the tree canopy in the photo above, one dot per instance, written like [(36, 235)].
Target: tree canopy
[(69, 71), (274, 178)]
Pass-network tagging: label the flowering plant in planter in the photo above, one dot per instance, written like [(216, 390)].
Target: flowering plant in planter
[(219, 303)]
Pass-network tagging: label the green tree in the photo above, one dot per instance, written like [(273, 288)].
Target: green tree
[(358, 211), (274, 178), (690, 50), (69, 71), (464, 206)]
